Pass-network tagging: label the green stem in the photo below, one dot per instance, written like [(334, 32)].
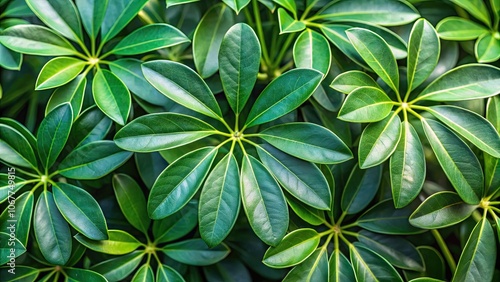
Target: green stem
[(415, 113), (226, 125), (444, 248), (341, 218), (260, 32), (353, 234), (29, 173), (36, 187), (351, 225), (308, 9), (495, 203), (283, 51), (325, 245), (495, 209), (324, 233)]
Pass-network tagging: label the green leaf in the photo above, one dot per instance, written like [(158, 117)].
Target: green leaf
[(72, 93), (53, 133), (60, 15), (370, 266), (10, 249), (479, 255), (457, 160), (131, 201), (15, 148), (336, 33), (237, 5), (307, 213), (78, 274), (379, 140), (181, 84), (283, 95), (433, 264), (35, 40), (295, 247), (93, 160), (171, 3), (459, 29), (303, 180), (366, 104), (118, 14), (381, 12), (473, 127), (349, 81), (360, 189), (289, 24), (377, 54), (118, 268), (23, 273), (178, 183), (312, 50), (196, 252), (165, 273), (239, 62), (149, 38), (21, 214), (81, 211), (396, 250), (176, 225), (263, 201), (92, 14), (466, 82), (307, 141), (118, 243), (314, 268), (220, 201), (9, 183), (144, 273), (440, 210), (487, 48), (51, 230), (476, 8), (9, 59), (111, 96), (423, 53), (59, 71), (407, 167), (91, 125), (161, 131), (491, 164), (289, 5), (207, 39), (340, 268)]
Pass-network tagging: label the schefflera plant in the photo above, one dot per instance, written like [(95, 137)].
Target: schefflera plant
[(289, 162), (380, 103)]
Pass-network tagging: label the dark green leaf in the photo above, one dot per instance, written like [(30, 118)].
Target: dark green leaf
[(92, 14), (22, 274), (111, 96), (9, 59), (78, 274), (118, 243), (165, 273), (118, 268), (491, 164), (15, 148), (336, 33), (370, 266), (131, 201), (91, 125), (118, 14), (196, 252), (305, 212), (366, 104), (19, 211), (9, 184), (176, 225), (340, 268), (10, 248), (360, 189), (314, 268), (295, 247)]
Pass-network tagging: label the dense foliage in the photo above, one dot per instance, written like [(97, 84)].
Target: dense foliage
[(249, 140)]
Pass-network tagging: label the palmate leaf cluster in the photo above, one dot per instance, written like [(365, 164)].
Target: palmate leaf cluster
[(249, 140)]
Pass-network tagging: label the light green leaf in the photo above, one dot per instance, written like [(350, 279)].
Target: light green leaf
[(118, 14), (457, 160), (131, 201), (295, 247), (196, 252), (366, 104), (312, 50), (476, 8), (239, 62), (92, 14), (349, 81), (263, 201), (72, 93), (487, 48), (289, 24), (440, 210), (148, 38), (59, 71), (307, 141), (288, 4), (207, 39), (51, 230), (370, 266), (178, 183), (111, 96), (459, 29), (118, 243), (314, 268), (360, 189), (283, 95), (144, 274), (237, 5), (340, 268), (181, 84)]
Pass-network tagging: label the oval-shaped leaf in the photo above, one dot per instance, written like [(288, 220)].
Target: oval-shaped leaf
[(10, 248), (59, 71), (340, 268), (19, 211), (312, 50), (144, 274), (9, 59), (314, 268), (165, 273), (72, 93), (22, 273), (476, 8), (111, 96), (287, 23), (295, 247), (78, 274), (487, 48), (118, 268), (118, 243), (456, 28), (91, 125), (351, 80), (196, 252), (236, 5), (366, 104), (118, 14), (10, 184), (15, 148), (176, 225), (360, 189), (92, 14), (131, 201), (370, 266)]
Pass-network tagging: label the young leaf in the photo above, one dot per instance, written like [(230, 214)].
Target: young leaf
[(379, 140), (35, 40), (118, 14), (289, 5), (15, 148), (181, 84), (459, 29), (72, 93), (51, 230), (131, 201), (370, 266), (349, 81), (307, 141), (161, 131), (220, 201), (360, 189), (296, 247), (377, 54), (118, 243), (237, 5), (440, 210), (289, 24), (312, 50), (239, 62), (53, 133), (111, 96), (148, 38), (487, 48), (457, 160), (207, 39), (479, 255), (366, 104), (340, 268), (283, 95), (314, 268), (178, 183), (407, 167), (92, 14), (93, 160), (263, 201), (196, 252), (60, 15), (423, 53), (59, 71)]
